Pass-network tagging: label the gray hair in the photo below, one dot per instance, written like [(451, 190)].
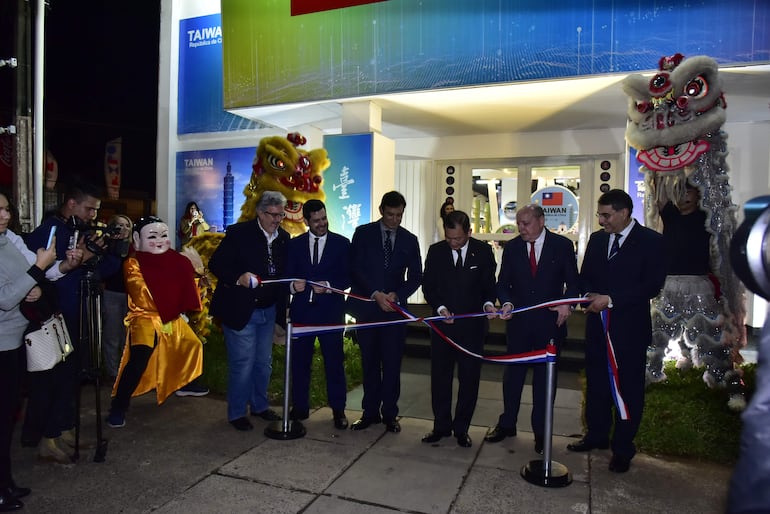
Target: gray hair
[(535, 209), (269, 199)]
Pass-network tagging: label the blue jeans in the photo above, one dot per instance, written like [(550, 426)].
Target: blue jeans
[(249, 362)]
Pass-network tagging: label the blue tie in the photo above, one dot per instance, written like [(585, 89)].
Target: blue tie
[(615, 246), (388, 247)]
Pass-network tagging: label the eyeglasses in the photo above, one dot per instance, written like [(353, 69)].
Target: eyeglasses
[(275, 215), (604, 215)]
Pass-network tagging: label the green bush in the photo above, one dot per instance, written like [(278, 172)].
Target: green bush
[(215, 369)]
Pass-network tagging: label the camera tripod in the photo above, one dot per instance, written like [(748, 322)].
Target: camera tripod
[(91, 339)]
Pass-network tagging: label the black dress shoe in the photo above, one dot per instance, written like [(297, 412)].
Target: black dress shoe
[(8, 502), (363, 423), (464, 440), (434, 436), (584, 445), (498, 433), (268, 415), (242, 424), (392, 425), (538, 447), (340, 421), (19, 492), (298, 414), (619, 464)]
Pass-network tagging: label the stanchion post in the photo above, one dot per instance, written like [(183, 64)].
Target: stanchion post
[(548, 473), (286, 428)]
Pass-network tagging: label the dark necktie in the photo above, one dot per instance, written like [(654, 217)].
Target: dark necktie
[(388, 247), (315, 252), (615, 246), (459, 261), (532, 259)]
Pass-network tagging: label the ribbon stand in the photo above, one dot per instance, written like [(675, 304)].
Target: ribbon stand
[(545, 472), (286, 429)]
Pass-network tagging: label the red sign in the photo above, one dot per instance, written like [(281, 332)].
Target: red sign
[(551, 198), (310, 6)]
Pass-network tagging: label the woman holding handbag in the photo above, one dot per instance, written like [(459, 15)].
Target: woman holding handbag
[(20, 272)]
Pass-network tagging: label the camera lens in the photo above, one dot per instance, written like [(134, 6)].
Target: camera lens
[(749, 252)]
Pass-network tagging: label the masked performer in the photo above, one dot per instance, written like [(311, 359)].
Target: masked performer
[(162, 351)]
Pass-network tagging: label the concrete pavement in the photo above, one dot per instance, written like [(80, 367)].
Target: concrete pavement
[(183, 457)]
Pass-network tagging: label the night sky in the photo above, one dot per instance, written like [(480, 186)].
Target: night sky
[(102, 83)]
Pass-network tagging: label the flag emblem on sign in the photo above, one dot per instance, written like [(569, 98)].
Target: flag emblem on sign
[(553, 198)]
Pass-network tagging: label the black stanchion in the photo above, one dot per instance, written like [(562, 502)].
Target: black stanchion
[(286, 429), (546, 472)]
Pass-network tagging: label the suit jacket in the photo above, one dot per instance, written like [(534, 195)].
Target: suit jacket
[(461, 291), (368, 271), (632, 278), (333, 266), (557, 277), (244, 248)]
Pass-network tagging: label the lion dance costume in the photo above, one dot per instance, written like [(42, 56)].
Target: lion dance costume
[(279, 165), (675, 126)]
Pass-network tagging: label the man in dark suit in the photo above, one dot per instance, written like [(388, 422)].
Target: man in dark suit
[(323, 257), (459, 278), (538, 266), (251, 250), (386, 267), (623, 269)]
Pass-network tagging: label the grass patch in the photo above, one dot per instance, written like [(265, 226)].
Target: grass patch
[(684, 418), (215, 369)]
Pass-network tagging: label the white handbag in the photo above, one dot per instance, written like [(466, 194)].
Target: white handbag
[(49, 345)]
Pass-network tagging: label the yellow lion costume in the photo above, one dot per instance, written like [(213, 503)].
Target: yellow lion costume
[(278, 166)]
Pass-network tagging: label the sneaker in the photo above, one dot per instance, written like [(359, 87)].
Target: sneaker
[(116, 419), (193, 390)]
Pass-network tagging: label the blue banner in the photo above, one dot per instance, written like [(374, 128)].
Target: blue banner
[(201, 98), (636, 185), (214, 179), (348, 182)]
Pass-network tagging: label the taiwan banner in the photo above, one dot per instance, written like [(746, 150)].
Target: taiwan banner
[(348, 182)]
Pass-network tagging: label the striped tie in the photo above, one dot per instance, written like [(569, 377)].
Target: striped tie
[(615, 246)]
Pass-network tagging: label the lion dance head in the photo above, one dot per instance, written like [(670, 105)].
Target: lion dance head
[(280, 165)]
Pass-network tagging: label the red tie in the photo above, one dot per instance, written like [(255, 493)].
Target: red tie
[(532, 259)]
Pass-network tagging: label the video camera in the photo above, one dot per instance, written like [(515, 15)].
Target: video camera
[(100, 239), (750, 248)]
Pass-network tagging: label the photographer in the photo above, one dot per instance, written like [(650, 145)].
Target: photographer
[(192, 223), (51, 407)]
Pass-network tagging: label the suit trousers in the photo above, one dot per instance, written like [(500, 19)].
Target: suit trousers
[(599, 407), (443, 358), (514, 378), (381, 352), (303, 349)]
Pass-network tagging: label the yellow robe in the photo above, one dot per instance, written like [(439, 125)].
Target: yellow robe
[(178, 356)]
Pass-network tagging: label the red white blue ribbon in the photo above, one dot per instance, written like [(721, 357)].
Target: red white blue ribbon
[(612, 368), (534, 357)]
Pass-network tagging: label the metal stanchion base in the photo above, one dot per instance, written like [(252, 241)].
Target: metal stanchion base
[(534, 473), (295, 430)]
